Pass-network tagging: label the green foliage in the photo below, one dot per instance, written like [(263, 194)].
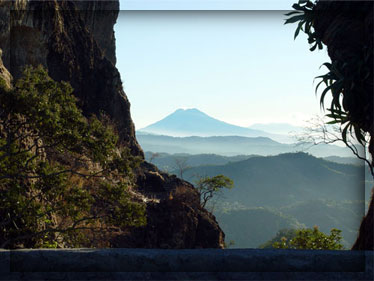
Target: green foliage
[(304, 14), (347, 80), (282, 236), (210, 186), (311, 239), (61, 175), (3, 84)]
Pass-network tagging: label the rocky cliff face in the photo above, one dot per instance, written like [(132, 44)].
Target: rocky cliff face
[(175, 218), (4, 73), (55, 34), (346, 28), (74, 41)]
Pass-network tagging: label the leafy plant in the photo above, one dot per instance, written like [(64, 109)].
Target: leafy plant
[(62, 176), (283, 236), (312, 239), (304, 14), (351, 105), (210, 186)]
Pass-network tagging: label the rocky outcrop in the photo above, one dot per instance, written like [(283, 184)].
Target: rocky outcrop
[(99, 18), (4, 73), (346, 28), (74, 41), (366, 233), (175, 219), (55, 35)]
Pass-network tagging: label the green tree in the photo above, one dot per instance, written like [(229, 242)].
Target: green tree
[(282, 235), (312, 239), (212, 186), (62, 176)]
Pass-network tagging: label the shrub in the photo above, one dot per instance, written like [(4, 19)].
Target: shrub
[(61, 174)]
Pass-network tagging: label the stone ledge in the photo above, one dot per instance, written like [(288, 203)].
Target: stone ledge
[(199, 264)]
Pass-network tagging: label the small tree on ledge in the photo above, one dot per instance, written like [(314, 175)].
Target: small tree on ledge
[(211, 186)]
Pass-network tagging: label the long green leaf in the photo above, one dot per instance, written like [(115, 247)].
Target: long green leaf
[(324, 94), (300, 25), (294, 19), (327, 64), (313, 48)]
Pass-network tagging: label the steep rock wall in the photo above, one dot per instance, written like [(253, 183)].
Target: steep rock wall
[(74, 41), (175, 218), (4, 73), (54, 34), (346, 28)]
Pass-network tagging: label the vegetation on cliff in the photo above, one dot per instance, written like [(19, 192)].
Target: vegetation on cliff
[(346, 28), (64, 179), (210, 187)]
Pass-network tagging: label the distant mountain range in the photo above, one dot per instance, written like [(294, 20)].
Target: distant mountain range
[(167, 162), (232, 145), (276, 185), (283, 191), (251, 227), (193, 122)]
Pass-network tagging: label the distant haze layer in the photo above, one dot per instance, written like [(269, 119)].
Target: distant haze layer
[(193, 122)]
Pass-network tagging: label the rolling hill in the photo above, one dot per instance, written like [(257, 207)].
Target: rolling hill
[(289, 190), (167, 162), (281, 180), (251, 227)]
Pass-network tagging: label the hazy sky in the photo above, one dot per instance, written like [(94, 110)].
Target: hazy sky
[(241, 67), (206, 4)]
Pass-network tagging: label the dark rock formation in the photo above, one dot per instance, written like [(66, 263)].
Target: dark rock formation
[(366, 232), (346, 27), (54, 34), (74, 41), (4, 73), (175, 218)]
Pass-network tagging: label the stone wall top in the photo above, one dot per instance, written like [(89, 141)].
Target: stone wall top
[(207, 264)]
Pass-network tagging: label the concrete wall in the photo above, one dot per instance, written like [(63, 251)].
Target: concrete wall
[(207, 264)]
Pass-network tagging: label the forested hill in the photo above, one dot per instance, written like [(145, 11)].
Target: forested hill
[(280, 180)]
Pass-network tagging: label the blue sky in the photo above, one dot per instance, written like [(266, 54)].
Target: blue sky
[(242, 67), (206, 4)]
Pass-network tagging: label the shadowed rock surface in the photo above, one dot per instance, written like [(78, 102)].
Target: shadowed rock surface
[(74, 41), (55, 35), (175, 218), (4, 73), (346, 28)]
